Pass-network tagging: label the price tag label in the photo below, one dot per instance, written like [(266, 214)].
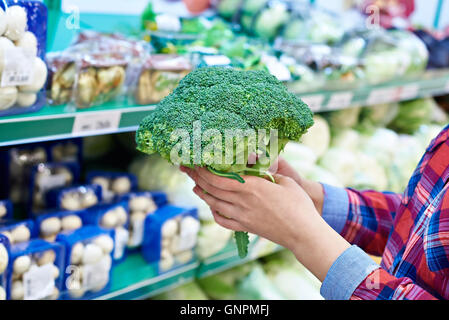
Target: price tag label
[(217, 60), (383, 95), (18, 67), (46, 183), (38, 282), (340, 100), (409, 92), (138, 228), (85, 122), (314, 101)]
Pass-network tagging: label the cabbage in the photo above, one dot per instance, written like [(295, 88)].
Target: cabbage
[(257, 286), (382, 145), (341, 119), (377, 116), (212, 238), (291, 278), (223, 286), (347, 139), (298, 152), (189, 291), (318, 136), (269, 21), (369, 174), (317, 173), (228, 8), (412, 114), (341, 163)]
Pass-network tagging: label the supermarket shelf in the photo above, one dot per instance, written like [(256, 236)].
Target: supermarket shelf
[(58, 122), (431, 83), (135, 279)]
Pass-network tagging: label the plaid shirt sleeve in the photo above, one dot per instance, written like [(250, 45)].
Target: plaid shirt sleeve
[(363, 218)]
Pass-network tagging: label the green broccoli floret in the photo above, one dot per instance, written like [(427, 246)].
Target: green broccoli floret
[(212, 101)]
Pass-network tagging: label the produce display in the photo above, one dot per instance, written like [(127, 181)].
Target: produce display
[(17, 231), (88, 257), (113, 184), (51, 224), (35, 271), (4, 260), (170, 237), (23, 72), (247, 95)]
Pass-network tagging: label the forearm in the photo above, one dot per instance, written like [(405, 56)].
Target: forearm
[(315, 191)]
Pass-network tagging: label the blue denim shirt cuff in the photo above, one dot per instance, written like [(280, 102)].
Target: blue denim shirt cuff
[(346, 274), (335, 207)]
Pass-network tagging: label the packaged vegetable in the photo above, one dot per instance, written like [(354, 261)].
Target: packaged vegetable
[(23, 72), (6, 211), (49, 225), (88, 262), (113, 184), (4, 260), (35, 270), (66, 150), (46, 176), (111, 217), (170, 237), (140, 205), (17, 231), (75, 197), (159, 76)]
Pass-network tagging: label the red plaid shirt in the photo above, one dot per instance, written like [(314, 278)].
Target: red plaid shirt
[(410, 231)]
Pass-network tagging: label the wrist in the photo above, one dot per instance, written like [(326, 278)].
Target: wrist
[(315, 191)]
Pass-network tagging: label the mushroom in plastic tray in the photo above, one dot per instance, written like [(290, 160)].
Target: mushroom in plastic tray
[(88, 261), (170, 237), (160, 74), (35, 270), (4, 259), (74, 197), (17, 231), (49, 225)]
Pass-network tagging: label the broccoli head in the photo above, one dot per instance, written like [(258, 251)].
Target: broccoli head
[(218, 117)]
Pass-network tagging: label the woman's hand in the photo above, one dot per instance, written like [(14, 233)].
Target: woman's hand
[(281, 212), (312, 188)]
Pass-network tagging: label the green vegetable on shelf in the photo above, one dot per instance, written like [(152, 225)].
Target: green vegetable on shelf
[(236, 114)]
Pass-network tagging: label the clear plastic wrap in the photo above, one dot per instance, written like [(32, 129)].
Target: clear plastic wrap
[(159, 76), (4, 259), (47, 176), (112, 217), (74, 197), (6, 211), (140, 205), (17, 231), (88, 262), (170, 237), (15, 169), (49, 225), (22, 47), (113, 184), (35, 270)]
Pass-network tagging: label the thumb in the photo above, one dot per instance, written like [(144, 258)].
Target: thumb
[(283, 180)]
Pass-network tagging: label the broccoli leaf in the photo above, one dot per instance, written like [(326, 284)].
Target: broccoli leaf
[(242, 240)]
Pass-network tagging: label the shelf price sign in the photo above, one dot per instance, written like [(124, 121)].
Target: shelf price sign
[(409, 92), (383, 95), (340, 100), (92, 122)]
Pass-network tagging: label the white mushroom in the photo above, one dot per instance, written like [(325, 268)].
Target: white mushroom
[(71, 222), (109, 220), (55, 272), (17, 290), (28, 41), (3, 211), (2, 290), (16, 19), (21, 234), (105, 243), (76, 290), (121, 185), (190, 225), (139, 203), (70, 202), (92, 254), (8, 97), (2, 22), (102, 181), (39, 77), (77, 253), (21, 264), (50, 226), (48, 256), (122, 216), (4, 258), (169, 228), (184, 256), (5, 44), (166, 264), (26, 99), (137, 217), (55, 294), (89, 199)]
